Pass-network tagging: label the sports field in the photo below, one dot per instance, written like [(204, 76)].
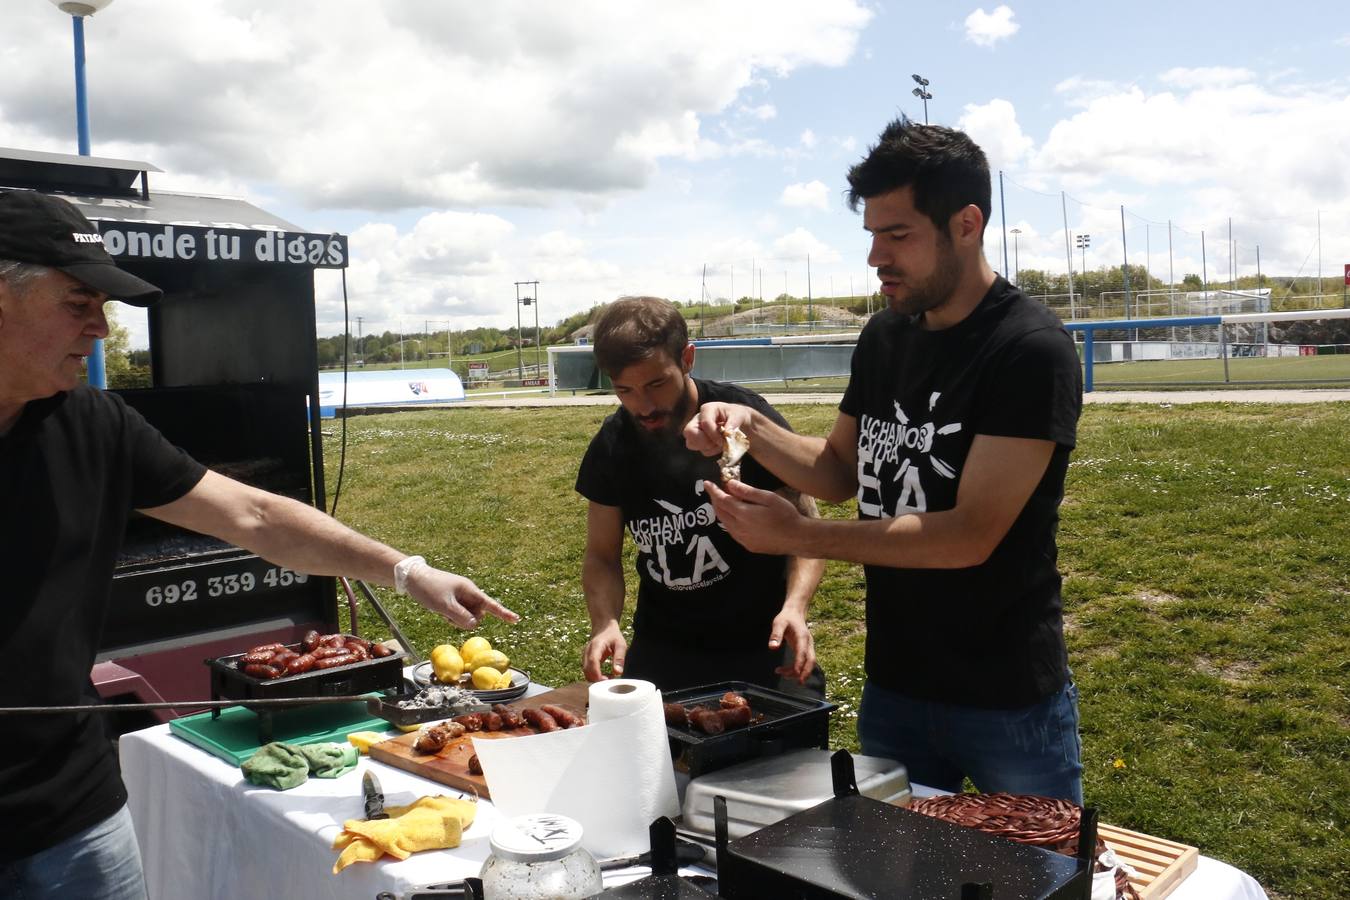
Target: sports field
[(1207, 595)]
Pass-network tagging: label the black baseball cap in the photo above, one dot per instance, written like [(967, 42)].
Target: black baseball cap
[(48, 231)]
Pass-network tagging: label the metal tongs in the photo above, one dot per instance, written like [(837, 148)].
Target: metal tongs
[(413, 656)]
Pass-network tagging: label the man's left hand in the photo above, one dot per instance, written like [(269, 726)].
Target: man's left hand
[(454, 597), (760, 521), (790, 625)]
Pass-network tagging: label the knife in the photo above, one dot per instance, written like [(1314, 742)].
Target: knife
[(374, 796), (687, 853)]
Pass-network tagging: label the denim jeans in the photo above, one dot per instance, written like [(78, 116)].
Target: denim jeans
[(102, 862), (1034, 750)]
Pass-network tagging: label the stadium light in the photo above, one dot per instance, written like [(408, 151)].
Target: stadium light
[(1017, 266), (923, 94)]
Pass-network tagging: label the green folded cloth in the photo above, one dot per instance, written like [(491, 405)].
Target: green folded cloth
[(330, 760), (277, 765)]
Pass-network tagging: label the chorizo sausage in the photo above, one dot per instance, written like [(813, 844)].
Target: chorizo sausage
[(302, 663), (475, 767), (282, 658), (491, 721), (262, 671), (470, 721), (539, 720), (256, 657), (358, 641), (332, 662), (326, 650), (731, 700), (310, 640), (565, 718), (380, 651), (510, 718), (676, 714), (264, 647), (736, 717), (708, 721), (361, 653), (333, 640)]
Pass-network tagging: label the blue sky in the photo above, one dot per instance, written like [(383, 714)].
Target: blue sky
[(608, 149)]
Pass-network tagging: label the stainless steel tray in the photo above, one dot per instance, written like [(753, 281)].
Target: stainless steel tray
[(769, 789)]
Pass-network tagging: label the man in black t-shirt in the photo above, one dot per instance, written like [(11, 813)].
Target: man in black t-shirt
[(708, 610), (954, 436), (74, 463)]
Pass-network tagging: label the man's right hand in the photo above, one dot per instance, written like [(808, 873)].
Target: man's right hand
[(607, 643), (704, 432)]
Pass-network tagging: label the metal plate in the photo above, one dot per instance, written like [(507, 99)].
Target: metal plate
[(520, 682)]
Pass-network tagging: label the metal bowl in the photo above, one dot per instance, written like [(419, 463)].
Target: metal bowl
[(520, 683)]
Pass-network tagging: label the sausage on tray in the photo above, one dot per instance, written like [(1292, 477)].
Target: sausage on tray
[(732, 700), (676, 714), (310, 640), (262, 670), (510, 718), (302, 663), (332, 662)]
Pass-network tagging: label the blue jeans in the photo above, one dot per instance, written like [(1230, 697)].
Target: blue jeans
[(1034, 750), (103, 862)]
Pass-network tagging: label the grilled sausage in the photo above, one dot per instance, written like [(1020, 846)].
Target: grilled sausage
[(333, 640), (267, 647), (565, 718), (256, 657), (491, 721), (510, 718), (332, 662), (539, 720), (708, 721), (282, 658), (475, 767), (731, 700), (361, 653), (736, 717), (310, 640), (358, 641), (327, 650), (302, 663), (262, 671), (676, 714), (470, 721), (380, 651)]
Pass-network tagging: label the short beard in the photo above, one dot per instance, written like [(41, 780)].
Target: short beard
[(938, 287), (672, 433)]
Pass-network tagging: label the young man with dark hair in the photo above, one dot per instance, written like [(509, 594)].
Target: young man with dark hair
[(74, 463), (954, 435), (708, 610)]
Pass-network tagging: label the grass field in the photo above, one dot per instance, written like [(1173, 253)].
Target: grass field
[(1207, 562)]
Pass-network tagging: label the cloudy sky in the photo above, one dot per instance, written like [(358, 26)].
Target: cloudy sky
[(611, 148)]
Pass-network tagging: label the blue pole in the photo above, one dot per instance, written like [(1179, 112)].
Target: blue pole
[(81, 93), (96, 365)]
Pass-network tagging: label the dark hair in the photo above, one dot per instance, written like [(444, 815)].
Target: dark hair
[(947, 169), (633, 328)]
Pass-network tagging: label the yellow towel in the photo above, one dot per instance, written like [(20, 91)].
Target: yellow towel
[(429, 823)]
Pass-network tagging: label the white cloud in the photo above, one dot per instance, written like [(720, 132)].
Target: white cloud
[(1207, 77), (800, 243), (806, 195), (987, 29), (994, 127), (392, 105), (808, 139), (1079, 91), (1343, 40), (764, 112)]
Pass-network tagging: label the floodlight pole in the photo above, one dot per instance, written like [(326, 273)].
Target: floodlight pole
[(922, 93), (1017, 264), (95, 366), (520, 337)]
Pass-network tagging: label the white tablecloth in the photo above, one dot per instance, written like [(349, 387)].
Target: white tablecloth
[(207, 833)]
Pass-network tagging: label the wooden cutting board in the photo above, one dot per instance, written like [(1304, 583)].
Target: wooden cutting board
[(451, 765), (1161, 865)]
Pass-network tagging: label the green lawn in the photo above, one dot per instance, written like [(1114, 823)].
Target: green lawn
[(1207, 561)]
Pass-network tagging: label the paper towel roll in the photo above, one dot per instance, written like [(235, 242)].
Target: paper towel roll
[(620, 697), (614, 775)]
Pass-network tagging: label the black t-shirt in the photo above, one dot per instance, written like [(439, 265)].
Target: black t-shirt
[(696, 584), (990, 635), (71, 470)]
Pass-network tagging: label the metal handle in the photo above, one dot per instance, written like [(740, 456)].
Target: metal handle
[(399, 636)]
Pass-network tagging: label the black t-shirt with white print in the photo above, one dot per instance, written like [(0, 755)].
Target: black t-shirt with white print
[(991, 635), (696, 584)]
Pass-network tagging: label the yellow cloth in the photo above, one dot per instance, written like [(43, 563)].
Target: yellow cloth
[(429, 823)]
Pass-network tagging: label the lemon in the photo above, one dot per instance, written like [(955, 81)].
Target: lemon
[(494, 658), (486, 678), (447, 663), (471, 649)]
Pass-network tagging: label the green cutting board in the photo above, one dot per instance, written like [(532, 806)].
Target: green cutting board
[(234, 735)]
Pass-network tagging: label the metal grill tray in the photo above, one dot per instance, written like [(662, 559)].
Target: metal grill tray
[(388, 708), (782, 721), (229, 682)]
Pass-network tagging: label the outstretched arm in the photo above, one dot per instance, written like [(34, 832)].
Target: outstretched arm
[(300, 537), (998, 479), (822, 467)]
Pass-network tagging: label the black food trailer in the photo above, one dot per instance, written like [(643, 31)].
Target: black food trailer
[(234, 383)]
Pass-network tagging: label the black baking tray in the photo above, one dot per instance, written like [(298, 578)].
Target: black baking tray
[(782, 722), (228, 681), (663, 887), (856, 847), (387, 708)]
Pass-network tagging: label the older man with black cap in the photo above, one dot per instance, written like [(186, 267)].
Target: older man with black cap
[(74, 462)]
